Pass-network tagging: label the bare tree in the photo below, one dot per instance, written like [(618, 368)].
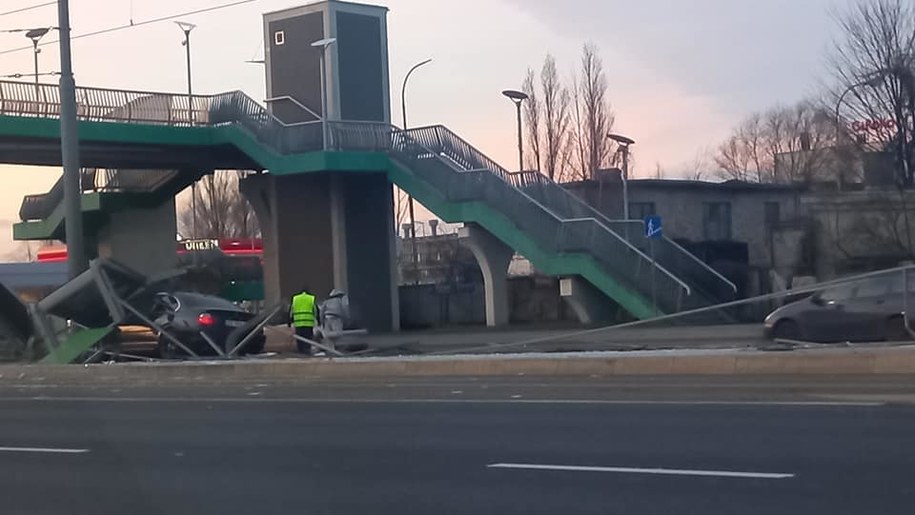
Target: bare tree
[(532, 121), (592, 115), (878, 46), (783, 144), (222, 211), (555, 119), (701, 166)]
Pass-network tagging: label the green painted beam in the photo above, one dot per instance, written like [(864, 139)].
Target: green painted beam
[(78, 343)]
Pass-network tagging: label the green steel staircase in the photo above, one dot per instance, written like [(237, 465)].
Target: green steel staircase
[(104, 192), (558, 233)]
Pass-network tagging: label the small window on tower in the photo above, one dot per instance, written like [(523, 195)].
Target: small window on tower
[(279, 37)]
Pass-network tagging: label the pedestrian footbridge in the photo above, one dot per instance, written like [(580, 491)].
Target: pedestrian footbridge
[(141, 148)]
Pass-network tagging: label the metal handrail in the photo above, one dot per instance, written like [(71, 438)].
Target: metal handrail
[(237, 108), (297, 104), (548, 212), (690, 255), (506, 176), (637, 251)]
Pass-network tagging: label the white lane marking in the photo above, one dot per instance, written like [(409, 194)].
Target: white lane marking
[(51, 450), (609, 402), (631, 470)]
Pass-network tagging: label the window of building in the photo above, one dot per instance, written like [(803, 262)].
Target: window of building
[(641, 210), (279, 38), (772, 214), (716, 220)]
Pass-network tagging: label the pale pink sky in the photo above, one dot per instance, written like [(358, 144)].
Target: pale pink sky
[(681, 73)]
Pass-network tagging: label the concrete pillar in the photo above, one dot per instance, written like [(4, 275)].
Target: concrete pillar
[(493, 256), (142, 239), (587, 302), (329, 230)]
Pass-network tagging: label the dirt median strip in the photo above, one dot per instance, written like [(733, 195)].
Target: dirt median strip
[(870, 361)]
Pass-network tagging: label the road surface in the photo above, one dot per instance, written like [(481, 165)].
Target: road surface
[(468, 446)]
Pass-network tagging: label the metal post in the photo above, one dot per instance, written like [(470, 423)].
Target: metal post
[(403, 106), (323, 103), (905, 301), (35, 51), (190, 89), (69, 149), (625, 182), (520, 140), (654, 267)]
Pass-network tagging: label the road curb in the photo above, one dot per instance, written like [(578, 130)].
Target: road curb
[(873, 361)]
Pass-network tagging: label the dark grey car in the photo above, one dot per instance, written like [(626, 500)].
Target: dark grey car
[(867, 310)]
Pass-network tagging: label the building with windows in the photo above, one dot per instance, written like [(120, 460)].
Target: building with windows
[(734, 226)]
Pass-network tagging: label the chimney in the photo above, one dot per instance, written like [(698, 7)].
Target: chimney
[(433, 226)]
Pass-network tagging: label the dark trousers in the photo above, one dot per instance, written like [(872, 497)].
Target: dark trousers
[(304, 332)]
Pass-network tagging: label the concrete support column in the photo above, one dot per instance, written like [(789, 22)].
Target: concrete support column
[(493, 256), (589, 304), (329, 230), (142, 239)]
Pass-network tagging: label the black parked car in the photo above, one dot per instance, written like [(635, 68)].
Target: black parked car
[(867, 310), (186, 315)]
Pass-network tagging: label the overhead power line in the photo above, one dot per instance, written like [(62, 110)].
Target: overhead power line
[(136, 24), (24, 9)]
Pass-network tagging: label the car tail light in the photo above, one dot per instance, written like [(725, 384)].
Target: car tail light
[(206, 319)]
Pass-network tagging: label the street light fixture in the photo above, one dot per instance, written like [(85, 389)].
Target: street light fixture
[(35, 35), (324, 44), (186, 28), (403, 105), (624, 143), (518, 97)]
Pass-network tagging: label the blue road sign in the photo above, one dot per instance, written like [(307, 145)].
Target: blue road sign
[(653, 227)]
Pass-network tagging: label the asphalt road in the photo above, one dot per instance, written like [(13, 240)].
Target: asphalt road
[(376, 447)]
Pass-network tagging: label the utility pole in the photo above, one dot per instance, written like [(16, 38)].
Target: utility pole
[(69, 149)]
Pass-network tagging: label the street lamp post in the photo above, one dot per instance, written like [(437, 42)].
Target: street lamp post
[(624, 143), (517, 97), (873, 81), (324, 44), (69, 149), (35, 35), (187, 28), (403, 106)]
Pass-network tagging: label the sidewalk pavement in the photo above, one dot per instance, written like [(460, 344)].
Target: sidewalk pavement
[(482, 340)]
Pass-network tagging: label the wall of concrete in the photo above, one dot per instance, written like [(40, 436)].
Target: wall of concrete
[(861, 231), (679, 203), (532, 300), (143, 239), (329, 230), (293, 67), (370, 247)]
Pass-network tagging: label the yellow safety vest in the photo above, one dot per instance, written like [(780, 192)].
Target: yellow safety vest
[(303, 310)]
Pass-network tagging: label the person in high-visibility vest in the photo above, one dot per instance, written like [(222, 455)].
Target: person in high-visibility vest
[(302, 314)]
